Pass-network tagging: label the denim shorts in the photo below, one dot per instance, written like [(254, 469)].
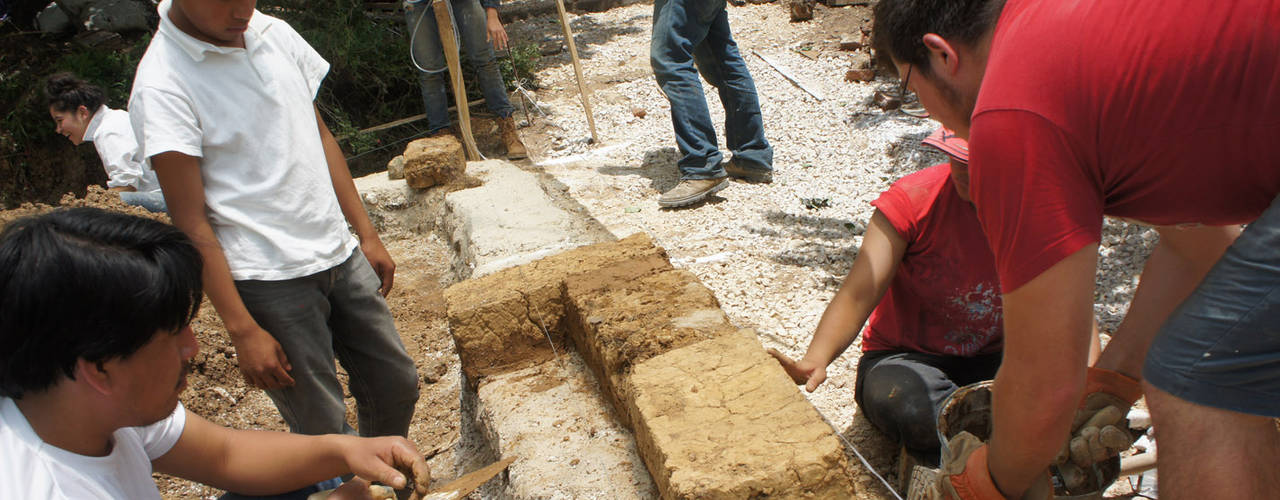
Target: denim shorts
[(1221, 347)]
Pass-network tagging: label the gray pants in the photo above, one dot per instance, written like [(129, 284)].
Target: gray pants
[(339, 313)]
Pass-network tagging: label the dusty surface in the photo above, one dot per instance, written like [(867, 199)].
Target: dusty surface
[(766, 440)]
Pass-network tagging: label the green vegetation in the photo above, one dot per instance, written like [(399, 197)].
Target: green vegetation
[(370, 82)]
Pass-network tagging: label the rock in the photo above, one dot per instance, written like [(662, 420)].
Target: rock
[(759, 1), (852, 42), (860, 75), (638, 112), (861, 60), (115, 16), (395, 168), (886, 100), (842, 3), (801, 10), (432, 161), (53, 20)]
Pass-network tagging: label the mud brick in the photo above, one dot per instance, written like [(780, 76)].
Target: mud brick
[(628, 313), (860, 75), (432, 161), (502, 321), (720, 419)]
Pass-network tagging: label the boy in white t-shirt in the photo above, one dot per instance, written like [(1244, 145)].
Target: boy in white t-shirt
[(89, 397), (222, 104)]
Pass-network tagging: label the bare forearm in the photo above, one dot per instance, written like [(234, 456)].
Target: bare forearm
[(1176, 266), (1048, 325), (344, 186), (218, 284), (841, 323)]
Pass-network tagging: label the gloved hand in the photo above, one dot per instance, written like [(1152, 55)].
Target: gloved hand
[(964, 474), (1100, 429)]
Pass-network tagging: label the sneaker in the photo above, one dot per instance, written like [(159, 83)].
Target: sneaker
[(748, 174), (688, 192)]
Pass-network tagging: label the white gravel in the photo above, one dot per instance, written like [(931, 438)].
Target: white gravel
[(773, 263)]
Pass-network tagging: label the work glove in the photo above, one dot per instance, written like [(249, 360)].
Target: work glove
[(964, 474), (1100, 428)]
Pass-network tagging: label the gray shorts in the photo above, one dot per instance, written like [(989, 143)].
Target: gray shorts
[(1221, 347)]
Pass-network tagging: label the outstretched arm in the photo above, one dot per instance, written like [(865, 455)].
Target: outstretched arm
[(872, 271), (265, 462), (353, 208)]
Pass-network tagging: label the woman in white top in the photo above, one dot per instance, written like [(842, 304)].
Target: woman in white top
[(79, 109)]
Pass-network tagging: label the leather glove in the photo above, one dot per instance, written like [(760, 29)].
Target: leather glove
[(1100, 429), (964, 474)]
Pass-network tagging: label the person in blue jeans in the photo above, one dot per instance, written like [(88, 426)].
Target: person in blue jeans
[(692, 37), (476, 25)]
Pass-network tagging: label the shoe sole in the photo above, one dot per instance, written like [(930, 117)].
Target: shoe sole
[(517, 156), (750, 176), (693, 199)]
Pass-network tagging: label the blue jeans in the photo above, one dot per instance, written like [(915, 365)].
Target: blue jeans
[(696, 32), (153, 202), (1221, 346), (433, 70), (336, 313)]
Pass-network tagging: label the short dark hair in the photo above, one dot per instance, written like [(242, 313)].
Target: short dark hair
[(900, 25), (85, 283), (67, 93)]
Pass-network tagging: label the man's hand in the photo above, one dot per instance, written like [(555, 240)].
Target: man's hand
[(809, 373), (496, 34), (380, 259), (964, 474), (262, 360), (392, 460)]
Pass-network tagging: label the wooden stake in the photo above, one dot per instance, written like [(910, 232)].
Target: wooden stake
[(449, 44), (583, 91)]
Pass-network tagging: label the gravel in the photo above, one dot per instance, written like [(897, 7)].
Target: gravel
[(773, 262)]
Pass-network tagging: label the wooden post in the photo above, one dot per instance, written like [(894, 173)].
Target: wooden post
[(583, 91), (449, 44)]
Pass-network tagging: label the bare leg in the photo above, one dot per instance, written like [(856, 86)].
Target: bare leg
[(1207, 452)]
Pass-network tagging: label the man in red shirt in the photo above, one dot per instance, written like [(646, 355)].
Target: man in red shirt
[(1152, 111)]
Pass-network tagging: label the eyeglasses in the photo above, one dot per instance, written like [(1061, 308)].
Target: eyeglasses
[(902, 88)]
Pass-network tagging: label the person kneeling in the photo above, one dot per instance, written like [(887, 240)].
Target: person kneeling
[(89, 397), (924, 284)]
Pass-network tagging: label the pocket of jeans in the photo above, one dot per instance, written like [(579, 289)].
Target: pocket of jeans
[(706, 11)]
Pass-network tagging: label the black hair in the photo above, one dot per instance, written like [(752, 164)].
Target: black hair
[(900, 26), (67, 93), (85, 283)]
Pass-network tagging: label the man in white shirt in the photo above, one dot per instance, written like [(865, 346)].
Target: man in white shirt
[(222, 105), (89, 397)]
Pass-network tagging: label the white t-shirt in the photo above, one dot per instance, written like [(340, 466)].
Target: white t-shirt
[(248, 115), (31, 468), (112, 135)]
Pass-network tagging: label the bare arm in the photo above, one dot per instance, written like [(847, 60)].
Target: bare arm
[(872, 271), (1048, 322), (1178, 263), (262, 361), (264, 462), (353, 208), (497, 35)]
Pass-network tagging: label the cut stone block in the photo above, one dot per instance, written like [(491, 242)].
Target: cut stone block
[(567, 442), (432, 161), (630, 312), (721, 420), (509, 220), (502, 321)]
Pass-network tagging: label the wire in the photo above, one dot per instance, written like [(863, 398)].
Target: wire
[(864, 461), (426, 5)]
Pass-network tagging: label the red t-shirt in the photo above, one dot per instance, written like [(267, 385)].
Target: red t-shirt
[(1155, 111), (943, 298)]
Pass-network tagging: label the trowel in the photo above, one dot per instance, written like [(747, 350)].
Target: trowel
[(455, 490)]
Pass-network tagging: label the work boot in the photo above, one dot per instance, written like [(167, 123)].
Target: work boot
[(748, 174), (688, 192), (511, 139)]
